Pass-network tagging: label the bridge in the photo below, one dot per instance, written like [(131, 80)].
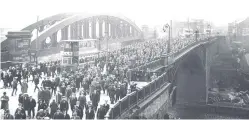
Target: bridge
[(48, 32), (184, 74), (184, 81)]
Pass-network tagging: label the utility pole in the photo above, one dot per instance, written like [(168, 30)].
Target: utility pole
[(36, 57), (165, 28), (107, 41)]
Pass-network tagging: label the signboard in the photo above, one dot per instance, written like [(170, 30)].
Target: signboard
[(22, 44), (87, 45)]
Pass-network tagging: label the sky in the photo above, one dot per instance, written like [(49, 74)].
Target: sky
[(17, 14)]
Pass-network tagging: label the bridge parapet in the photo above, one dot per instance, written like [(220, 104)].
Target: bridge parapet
[(132, 100)]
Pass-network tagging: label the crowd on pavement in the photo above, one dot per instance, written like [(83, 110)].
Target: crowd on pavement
[(70, 87)]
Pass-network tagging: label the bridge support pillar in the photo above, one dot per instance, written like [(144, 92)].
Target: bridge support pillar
[(79, 29), (123, 30), (100, 28), (128, 31), (113, 30), (54, 39), (118, 30), (207, 69), (76, 35), (86, 29), (64, 33), (93, 28), (107, 28), (132, 32)]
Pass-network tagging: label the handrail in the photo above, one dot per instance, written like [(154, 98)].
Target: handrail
[(139, 96), (136, 97)]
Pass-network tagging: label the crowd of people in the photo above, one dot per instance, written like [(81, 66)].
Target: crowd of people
[(70, 87)]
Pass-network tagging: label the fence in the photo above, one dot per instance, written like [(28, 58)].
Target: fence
[(136, 97)]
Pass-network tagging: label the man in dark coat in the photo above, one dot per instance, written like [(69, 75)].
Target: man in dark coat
[(26, 102), (14, 87), (73, 100), (64, 104), (58, 97), (106, 106), (42, 105), (94, 99), (53, 108), (24, 87), (82, 100), (63, 89), (32, 105), (112, 93), (19, 77), (40, 114), (9, 79), (123, 90), (78, 82), (75, 116), (65, 115), (4, 101), (20, 112), (68, 92), (58, 115), (7, 115), (36, 81), (53, 87), (78, 109), (101, 112), (89, 113), (117, 92)]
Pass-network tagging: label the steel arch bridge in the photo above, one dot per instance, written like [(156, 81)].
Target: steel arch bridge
[(77, 26)]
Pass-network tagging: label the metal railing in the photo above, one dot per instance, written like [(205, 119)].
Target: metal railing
[(136, 97)]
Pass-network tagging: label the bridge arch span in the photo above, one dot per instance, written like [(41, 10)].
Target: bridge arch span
[(80, 18), (190, 81)]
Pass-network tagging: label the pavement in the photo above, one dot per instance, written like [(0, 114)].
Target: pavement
[(13, 100)]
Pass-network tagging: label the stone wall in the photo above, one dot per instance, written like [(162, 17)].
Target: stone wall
[(158, 107)]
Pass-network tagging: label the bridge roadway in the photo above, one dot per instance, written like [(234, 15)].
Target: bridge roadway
[(156, 98)]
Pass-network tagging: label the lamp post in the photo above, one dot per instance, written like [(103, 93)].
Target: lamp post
[(165, 28), (196, 35)]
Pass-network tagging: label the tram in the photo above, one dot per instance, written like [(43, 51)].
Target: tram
[(75, 52)]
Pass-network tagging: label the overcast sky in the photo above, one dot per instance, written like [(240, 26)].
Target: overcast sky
[(20, 13)]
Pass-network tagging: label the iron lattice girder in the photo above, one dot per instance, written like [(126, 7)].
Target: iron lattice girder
[(78, 17)]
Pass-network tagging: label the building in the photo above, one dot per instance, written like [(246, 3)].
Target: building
[(239, 30), (189, 27), (15, 49)]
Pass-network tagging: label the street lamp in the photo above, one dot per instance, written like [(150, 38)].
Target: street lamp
[(165, 27), (196, 34)]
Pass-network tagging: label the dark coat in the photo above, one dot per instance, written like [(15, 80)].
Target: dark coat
[(26, 103), (64, 105), (32, 103), (66, 116), (106, 107), (82, 99), (89, 114), (73, 101), (58, 115), (22, 114), (79, 111), (8, 116), (53, 106), (101, 113)]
